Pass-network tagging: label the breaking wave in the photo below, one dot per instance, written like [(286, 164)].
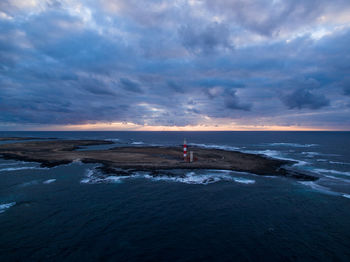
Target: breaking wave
[(318, 187), (203, 179), (277, 155), (11, 164), (291, 144), (222, 147), (311, 154), (3, 207), (49, 181), (30, 183), (244, 180), (331, 171), (113, 139), (337, 178), (267, 152), (321, 160), (20, 168), (338, 163), (137, 143), (95, 177), (323, 189)]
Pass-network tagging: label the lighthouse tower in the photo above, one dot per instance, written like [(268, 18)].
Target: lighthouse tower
[(185, 150)]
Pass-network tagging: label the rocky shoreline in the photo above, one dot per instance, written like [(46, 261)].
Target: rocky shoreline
[(15, 138), (125, 160)]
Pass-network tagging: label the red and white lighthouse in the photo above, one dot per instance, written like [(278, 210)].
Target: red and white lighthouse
[(185, 150)]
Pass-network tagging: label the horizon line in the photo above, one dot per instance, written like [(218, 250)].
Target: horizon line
[(129, 126), (311, 130)]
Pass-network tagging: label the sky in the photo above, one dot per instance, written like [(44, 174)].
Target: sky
[(175, 65)]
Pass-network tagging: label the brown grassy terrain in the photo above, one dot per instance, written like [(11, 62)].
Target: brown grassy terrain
[(52, 153), (20, 138)]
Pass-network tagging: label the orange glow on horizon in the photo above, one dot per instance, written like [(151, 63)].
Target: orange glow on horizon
[(119, 126)]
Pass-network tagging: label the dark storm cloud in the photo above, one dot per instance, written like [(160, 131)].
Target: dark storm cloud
[(210, 82), (164, 63), (302, 98), (347, 90), (129, 85), (96, 87), (345, 84), (205, 40), (176, 87), (232, 101)]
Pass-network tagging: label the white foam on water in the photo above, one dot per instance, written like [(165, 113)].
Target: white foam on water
[(92, 176), (292, 144), (212, 176), (222, 147), (30, 183), (244, 180), (338, 178), (321, 160), (300, 163), (49, 181), (9, 164), (16, 163), (193, 178), (113, 139), (323, 189), (189, 179), (311, 154), (137, 143), (114, 179), (3, 207), (331, 171), (74, 162), (20, 168), (319, 188), (277, 155), (89, 176), (267, 152), (338, 163)]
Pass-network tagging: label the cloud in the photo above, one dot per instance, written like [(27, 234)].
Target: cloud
[(96, 87), (174, 62), (206, 39), (129, 85), (217, 81), (347, 90), (345, 84), (214, 92), (232, 102), (274, 18), (302, 98), (176, 87)]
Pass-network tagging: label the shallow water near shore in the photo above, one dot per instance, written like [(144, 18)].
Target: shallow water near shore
[(72, 212)]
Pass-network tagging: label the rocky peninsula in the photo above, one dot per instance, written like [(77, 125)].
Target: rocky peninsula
[(123, 160), (15, 138)]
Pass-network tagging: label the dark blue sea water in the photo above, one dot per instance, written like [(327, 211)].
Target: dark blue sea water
[(72, 213)]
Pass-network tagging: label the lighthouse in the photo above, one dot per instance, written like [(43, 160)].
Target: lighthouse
[(185, 149)]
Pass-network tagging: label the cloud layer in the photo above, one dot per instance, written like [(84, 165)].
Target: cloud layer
[(175, 63)]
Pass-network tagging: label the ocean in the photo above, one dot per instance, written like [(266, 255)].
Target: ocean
[(72, 213)]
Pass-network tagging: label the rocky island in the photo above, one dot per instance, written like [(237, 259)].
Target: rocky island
[(123, 160), (15, 138)]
